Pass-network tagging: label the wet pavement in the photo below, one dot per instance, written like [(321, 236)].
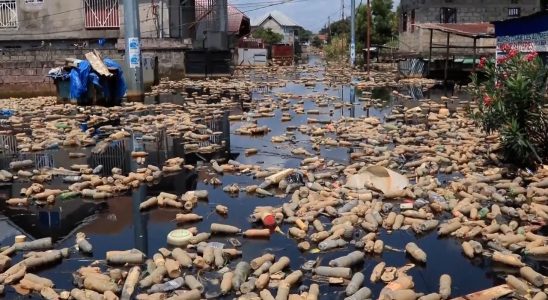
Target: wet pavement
[(117, 223)]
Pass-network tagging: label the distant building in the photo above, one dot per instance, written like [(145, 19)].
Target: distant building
[(279, 23), (418, 14), (323, 37)]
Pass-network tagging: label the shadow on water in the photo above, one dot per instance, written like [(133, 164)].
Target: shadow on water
[(117, 223)]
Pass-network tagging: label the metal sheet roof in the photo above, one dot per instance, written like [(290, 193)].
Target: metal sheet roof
[(472, 30), (280, 17)]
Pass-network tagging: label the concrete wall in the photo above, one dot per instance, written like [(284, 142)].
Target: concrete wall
[(467, 11), (251, 57), (272, 24), (64, 20), (23, 73), (287, 32), (419, 42)]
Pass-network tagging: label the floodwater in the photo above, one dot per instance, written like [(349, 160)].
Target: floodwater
[(117, 224)]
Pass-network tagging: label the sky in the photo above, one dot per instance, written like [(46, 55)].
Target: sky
[(311, 14)]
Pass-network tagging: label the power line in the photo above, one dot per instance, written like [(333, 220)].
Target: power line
[(270, 4)]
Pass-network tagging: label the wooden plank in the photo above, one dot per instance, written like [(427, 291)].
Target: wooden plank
[(488, 294), (97, 64)]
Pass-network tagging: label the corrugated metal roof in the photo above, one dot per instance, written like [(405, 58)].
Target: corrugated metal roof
[(478, 30), (280, 17)]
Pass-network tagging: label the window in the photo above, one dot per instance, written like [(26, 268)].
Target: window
[(34, 1), (514, 1), (8, 14), (404, 22), (514, 12), (101, 14), (448, 15)]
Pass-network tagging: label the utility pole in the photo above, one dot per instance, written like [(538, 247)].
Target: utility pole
[(352, 32), (329, 29), (368, 38), (161, 19), (135, 91), (342, 10)]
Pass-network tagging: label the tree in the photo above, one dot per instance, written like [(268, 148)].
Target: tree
[(304, 35), (337, 28), (384, 22), (317, 42), (268, 36)]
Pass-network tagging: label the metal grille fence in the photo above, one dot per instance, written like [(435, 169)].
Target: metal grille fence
[(101, 14), (206, 14), (8, 14)]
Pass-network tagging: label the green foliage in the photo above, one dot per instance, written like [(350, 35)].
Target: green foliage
[(317, 42), (511, 102), (304, 35), (383, 19), (338, 28), (268, 36), (337, 49)]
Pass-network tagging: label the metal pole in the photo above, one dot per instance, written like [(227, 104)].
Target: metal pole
[(352, 32), (446, 69), (329, 28), (135, 91), (162, 19), (475, 55), (368, 37), (430, 54), (223, 15)]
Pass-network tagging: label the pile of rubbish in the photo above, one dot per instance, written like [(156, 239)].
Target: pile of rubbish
[(390, 183)]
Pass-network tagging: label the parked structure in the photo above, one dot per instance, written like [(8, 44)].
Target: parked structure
[(279, 23), (417, 15)]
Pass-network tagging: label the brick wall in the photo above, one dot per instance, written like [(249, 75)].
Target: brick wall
[(23, 72), (419, 42)]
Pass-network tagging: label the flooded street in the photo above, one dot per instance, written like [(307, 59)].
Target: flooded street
[(117, 223)]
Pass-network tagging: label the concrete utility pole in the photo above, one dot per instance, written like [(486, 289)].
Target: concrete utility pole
[(136, 90), (352, 32), (368, 37), (222, 13), (329, 29), (342, 10)]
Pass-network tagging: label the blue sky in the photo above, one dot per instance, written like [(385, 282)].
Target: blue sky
[(311, 14)]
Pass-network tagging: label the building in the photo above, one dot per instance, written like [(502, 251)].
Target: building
[(279, 23), (44, 20), (36, 34), (418, 14)]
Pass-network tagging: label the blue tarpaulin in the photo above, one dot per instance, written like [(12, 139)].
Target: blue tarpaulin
[(113, 88)]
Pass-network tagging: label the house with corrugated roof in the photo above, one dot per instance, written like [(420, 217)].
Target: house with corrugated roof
[(280, 23)]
